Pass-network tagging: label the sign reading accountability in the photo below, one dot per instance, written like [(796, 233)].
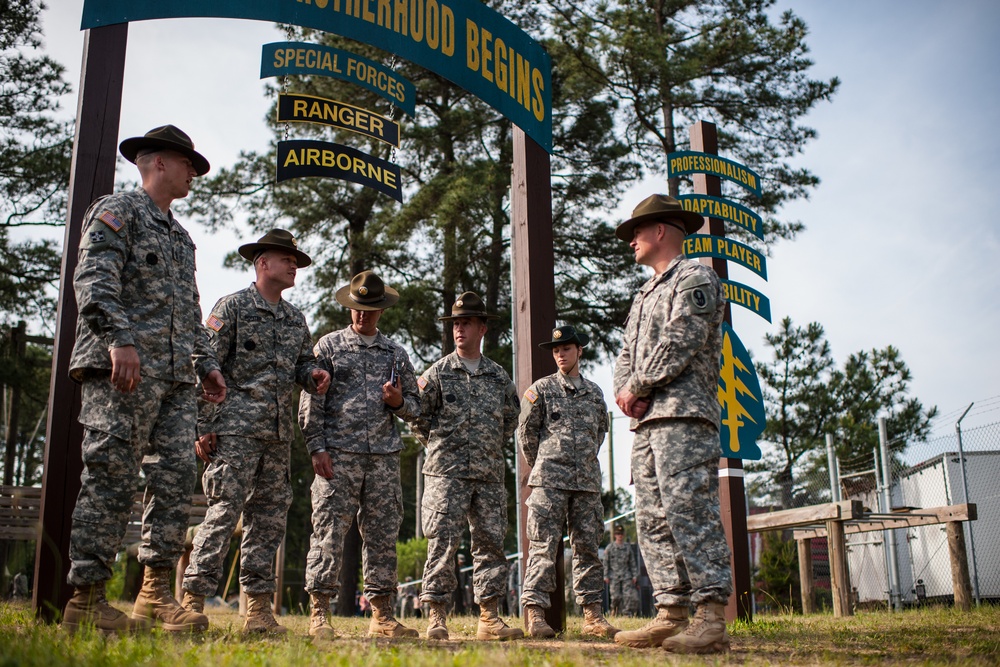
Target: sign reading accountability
[(309, 109), (462, 40), (689, 162), (706, 245), (715, 207), (747, 297), (742, 402), (281, 58), (302, 157)]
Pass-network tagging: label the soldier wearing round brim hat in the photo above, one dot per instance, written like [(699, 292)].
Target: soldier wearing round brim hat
[(660, 208), (468, 304), (276, 239), (355, 448), (166, 137), (621, 574)]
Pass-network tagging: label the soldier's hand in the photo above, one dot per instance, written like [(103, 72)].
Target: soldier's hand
[(125, 368), (322, 380), (204, 447), (392, 396), (632, 405), (322, 465), (213, 387), (606, 580)]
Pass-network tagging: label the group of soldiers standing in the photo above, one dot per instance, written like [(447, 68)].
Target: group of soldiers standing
[(138, 334)]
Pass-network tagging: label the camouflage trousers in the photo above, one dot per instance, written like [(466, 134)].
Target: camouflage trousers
[(624, 599), (248, 476), (548, 511), (449, 505), (153, 430), (676, 472), (366, 486)]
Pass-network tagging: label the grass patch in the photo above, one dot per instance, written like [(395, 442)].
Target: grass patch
[(933, 636)]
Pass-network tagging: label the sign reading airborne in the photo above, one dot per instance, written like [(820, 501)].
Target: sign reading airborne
[(304, 157), (462, 40)]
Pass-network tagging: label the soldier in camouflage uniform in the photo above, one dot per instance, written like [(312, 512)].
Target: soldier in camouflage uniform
[(354, 443), (137, 330), (621, 573), (563, 422), (468, 411), (666, 379), (264, 347)]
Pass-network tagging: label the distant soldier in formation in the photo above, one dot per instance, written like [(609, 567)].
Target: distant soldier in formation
[(355, 448), (468, 412), (264, 347), (666, 378), (621, 574), (137, 331), (563, 422)]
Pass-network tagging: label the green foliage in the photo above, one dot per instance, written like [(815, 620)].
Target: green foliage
[(777, 576), (410, 558), (30, 374)]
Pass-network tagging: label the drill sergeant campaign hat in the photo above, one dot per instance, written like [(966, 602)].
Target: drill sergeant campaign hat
[(468, 304), (566, 335), (276, 239), (366, 292), (619, 529), (166, 137), (659, 208)]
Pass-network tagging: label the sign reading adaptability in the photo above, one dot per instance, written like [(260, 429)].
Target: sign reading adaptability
[(305, 157)]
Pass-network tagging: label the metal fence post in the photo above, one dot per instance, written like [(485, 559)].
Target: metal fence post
[(895, 597), (965, 490)]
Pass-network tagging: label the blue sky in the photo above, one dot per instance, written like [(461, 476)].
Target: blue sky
[(901, 245)]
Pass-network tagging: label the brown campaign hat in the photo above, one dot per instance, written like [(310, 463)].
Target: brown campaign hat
[(366, 292), (469, 305), (619, 529), (276, 239), (660, 208), (565, 335), (166, 137)]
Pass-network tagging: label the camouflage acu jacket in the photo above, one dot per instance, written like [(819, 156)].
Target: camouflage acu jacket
[(264, 353), (619, 562), (560, 432), (673, 340), (352, 415), (135, 285), (466, 419)]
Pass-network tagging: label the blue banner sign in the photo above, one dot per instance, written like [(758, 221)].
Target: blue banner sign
[(690, 162), (743, 418), (310, 109), (301, 157), (750, 299), (705, 245), (281, 58), (462, 40), (715, 207)]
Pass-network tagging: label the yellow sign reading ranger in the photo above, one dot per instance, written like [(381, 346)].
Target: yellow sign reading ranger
[(300, 158), (309, 109)]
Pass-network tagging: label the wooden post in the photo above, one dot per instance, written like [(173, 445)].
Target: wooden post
[(840, 582), (959, 566), (92, 174), (533, 269), (806, 576), (732, 496)]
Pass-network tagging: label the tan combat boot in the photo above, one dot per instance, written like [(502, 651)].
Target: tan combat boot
[(319, 617), (156, 603), (437, 628), (491, 626), (260, 618), (594, 623), (669, 621), (706, 634), (88, 606), (535, 623), (384, 623), (193, 602)]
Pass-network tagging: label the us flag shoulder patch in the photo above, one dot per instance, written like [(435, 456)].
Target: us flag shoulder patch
[(531, 396), (111, 221), (421, 382), (214, 323)]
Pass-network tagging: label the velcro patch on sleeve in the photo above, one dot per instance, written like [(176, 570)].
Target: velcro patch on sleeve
[(214, 323), (421, 382), (531, 396), (111, 221)]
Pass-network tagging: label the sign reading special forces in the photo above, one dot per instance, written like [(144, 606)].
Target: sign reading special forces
[(742, 402), (305, 157)]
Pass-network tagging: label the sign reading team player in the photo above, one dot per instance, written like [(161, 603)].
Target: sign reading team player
[(708, 206), (742, 401), (747, 297), (689, 162), (281, 58), (301, 157), (706, 245), (462, 40), (309, 109)]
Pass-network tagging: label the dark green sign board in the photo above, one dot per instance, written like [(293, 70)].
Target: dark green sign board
[(310, 109), (281, 58), (462, 40), (690, 162), (743, 418), (717, 207), (300, 158), (747, 297), (706, 245)]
